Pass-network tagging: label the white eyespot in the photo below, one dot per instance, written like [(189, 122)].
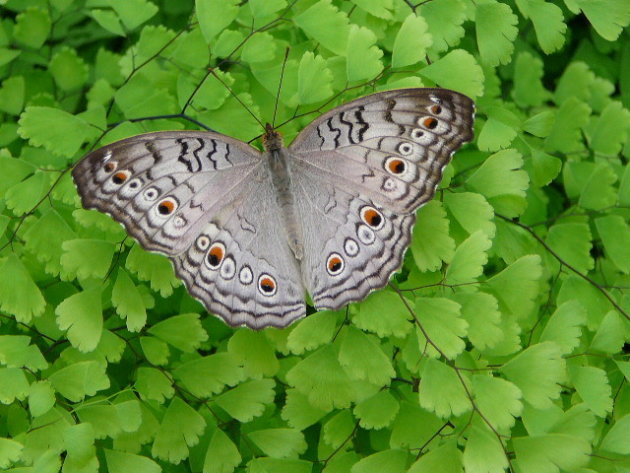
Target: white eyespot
[(416, 134), (120, 177), (365, 234), (179, 221), (389, 185), (151, 193), (228, 268), (202, 243), (372, 217), (335, 264), (215, 255), (245, 275), (134, 184), (396, 166), (108, 155), (434, 99), (405, 148), (267, 285), (351, 247)]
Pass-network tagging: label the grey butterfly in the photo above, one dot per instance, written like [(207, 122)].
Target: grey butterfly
[(249, 232)]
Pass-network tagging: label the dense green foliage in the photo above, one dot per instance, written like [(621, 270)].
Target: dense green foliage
[(498, 346)]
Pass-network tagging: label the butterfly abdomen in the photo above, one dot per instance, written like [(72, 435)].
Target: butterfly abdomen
[(281, 178)]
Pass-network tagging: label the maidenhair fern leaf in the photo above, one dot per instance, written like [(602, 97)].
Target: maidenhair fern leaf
[(502, 181), (498, 400), (82, 316), (483, 452), (153, 268), (468, 259), (615, 234), (208, 375), (442, 325), (539, 454), (538, 372), (81, 379), (41, 398), (386, 461), (572, 243), (411, 42), (214, 16), (314, 331), (10, 452), (153, 384), (593, 386), (314, 79), (441, 390), (247, 400), (608, 17), (548, 23), (362, 358), (616, 439), (298, 412), (326, 24), (363, 57), (431, 243), (564, 326), (121, 462), (446, 458), (370, 316), (222, 455), (184, 332), (180, 429), (496, 30), (87, 258), (457, 70), (322, 379), (19, 295), (472, 212), (254, 352), (481, 312), (377, 411), (13, 385), (279, 442)]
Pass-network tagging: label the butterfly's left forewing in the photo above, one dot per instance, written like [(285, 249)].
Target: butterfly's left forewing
[(360, 172)]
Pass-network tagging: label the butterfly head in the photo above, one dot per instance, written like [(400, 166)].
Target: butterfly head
[(272, 139)]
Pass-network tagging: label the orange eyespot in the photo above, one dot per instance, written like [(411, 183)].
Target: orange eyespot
[(215, 255), (430, 123), (109, 166), (166, 207), (396, 166), (335, 264), (372, 217), (120, 177), (267, 285), (436, 109)]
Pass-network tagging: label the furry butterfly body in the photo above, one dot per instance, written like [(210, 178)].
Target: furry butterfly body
[(249, 232)]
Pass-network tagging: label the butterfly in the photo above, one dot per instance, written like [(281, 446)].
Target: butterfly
[(249, 232)]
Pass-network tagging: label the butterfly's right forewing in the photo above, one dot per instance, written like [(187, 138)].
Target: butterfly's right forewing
[(206, 201)]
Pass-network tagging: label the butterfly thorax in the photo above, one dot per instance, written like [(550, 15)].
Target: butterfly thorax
[(272, 140)]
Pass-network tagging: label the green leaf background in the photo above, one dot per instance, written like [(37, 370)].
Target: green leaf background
[(502, 343)]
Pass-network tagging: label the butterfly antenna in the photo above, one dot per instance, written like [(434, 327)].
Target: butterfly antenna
[(275, 108), (236, 97)]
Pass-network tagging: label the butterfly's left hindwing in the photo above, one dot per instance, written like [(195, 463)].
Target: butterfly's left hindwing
[(206, 201), (362, 170)]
